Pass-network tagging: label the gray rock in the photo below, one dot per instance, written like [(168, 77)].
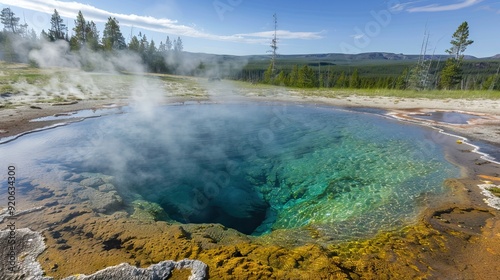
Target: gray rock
[(157, 271), (28, 245)]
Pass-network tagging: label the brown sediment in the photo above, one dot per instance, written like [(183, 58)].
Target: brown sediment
[(456, 237)]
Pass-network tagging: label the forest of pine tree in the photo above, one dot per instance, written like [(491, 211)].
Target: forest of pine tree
[(16, 41)]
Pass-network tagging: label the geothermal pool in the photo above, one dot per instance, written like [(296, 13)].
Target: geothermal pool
[(253, 167)]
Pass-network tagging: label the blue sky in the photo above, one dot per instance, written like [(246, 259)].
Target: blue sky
[(244, 27)]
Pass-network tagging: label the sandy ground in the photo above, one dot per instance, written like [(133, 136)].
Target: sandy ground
[(465, 225)]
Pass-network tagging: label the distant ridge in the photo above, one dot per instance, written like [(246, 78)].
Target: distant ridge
[(364, 56), (322, 59), (368, 56)]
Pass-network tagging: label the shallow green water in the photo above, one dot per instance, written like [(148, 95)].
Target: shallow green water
[(257, 167)]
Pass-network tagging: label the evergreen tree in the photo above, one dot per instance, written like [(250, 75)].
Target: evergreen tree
[(32, 35), (168, 44), (354, 80), (341, 81), (56, 32), (44, 35), (281, 79), (268, 74), (81, 30), (9, 20), (460, 41), (331, 78), (112, 38), (450, 75), (23, 30), (178, 46), (162, 48), (134, 44), (401, 81), (92, 36), (491, 83), (151, 48), (294, 76), (306, 78)]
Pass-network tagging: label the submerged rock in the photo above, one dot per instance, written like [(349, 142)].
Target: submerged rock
[(92, 182)]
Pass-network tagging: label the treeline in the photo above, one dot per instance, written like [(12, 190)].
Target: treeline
[(411, 78), (17, 41)]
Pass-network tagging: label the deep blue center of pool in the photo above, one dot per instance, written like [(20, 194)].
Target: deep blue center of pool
[(259, 167)]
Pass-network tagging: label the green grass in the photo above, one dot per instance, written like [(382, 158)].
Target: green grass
[(339, 92)]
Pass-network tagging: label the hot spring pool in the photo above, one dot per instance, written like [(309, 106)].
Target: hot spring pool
[(252, 167)]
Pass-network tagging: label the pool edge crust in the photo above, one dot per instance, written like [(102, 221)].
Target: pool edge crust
[(21, 262)]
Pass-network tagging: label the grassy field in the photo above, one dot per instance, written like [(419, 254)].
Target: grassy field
[(57, 84)]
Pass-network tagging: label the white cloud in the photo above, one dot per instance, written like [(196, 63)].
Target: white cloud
[(169, 26), (357, 36), (399, 7), (442, 8), (284, 34)]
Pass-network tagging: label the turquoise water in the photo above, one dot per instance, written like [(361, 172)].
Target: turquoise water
[(256, 167)]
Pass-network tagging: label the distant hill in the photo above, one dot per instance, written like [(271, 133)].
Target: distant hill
[(362, 56), (327, 58)]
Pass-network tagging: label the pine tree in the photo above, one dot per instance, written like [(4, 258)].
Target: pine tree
[(268, 74), (162, 48), (56, 32), (178, 46), (134, 44), (460, 41), (280, 79), (92, 36), (294, 76), (143, 44), (23, 30), (44, 35), (341, 81), (331, 78), (306, 77), (151, 48), (451, 75), (9, 21), (112, 37), (354, 80), (168, 44), (401, 81), (80, 29)]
